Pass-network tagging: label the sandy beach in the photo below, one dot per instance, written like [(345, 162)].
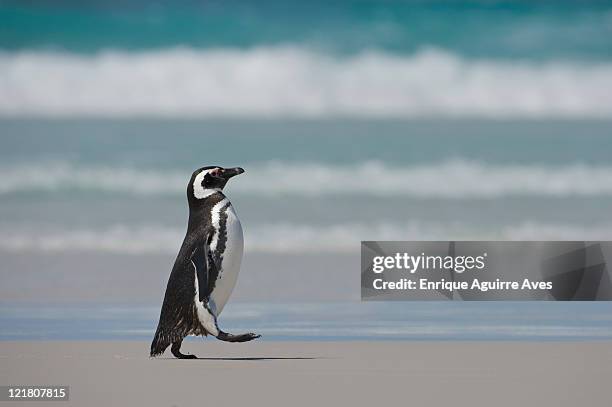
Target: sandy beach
[(310, 373)]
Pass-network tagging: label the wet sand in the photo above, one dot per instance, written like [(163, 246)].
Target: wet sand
[(316, 373)]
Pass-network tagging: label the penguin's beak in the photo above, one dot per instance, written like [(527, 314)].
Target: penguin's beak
[(231, 172)]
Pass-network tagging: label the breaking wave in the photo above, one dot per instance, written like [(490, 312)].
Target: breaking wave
[(455, 179), (272, 82), (284, 237)]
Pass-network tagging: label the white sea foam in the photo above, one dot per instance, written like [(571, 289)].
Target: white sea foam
[(115, 239), (297, 82), (285, 237), (455, 179)]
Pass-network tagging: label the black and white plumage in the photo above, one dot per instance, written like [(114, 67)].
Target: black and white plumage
[(206, 268)]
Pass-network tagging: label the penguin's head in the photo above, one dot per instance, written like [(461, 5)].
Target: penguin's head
[(206, 181)]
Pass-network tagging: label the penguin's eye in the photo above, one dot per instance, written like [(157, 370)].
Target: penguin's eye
[(215, 172)]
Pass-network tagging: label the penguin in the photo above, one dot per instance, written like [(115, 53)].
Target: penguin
[(206, 268)]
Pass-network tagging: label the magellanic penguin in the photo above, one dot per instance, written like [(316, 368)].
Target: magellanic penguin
[(206, 268)]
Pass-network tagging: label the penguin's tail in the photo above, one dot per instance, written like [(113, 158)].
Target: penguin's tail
[(160, 343)]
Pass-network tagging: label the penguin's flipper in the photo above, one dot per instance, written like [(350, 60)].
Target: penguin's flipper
[(206, 268), (198, 258)]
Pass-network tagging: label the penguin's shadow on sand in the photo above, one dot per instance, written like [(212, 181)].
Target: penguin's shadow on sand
[(250, 358)]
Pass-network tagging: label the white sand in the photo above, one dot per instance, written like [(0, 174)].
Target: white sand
[(488, 374)]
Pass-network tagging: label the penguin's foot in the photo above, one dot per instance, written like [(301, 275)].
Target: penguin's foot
[(176, 351), (224, 336)]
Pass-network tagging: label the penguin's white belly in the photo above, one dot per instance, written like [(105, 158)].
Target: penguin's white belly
[(230, 263)]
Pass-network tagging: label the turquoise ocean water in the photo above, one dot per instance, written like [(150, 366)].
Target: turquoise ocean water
[(475, 28), (354, 120)]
